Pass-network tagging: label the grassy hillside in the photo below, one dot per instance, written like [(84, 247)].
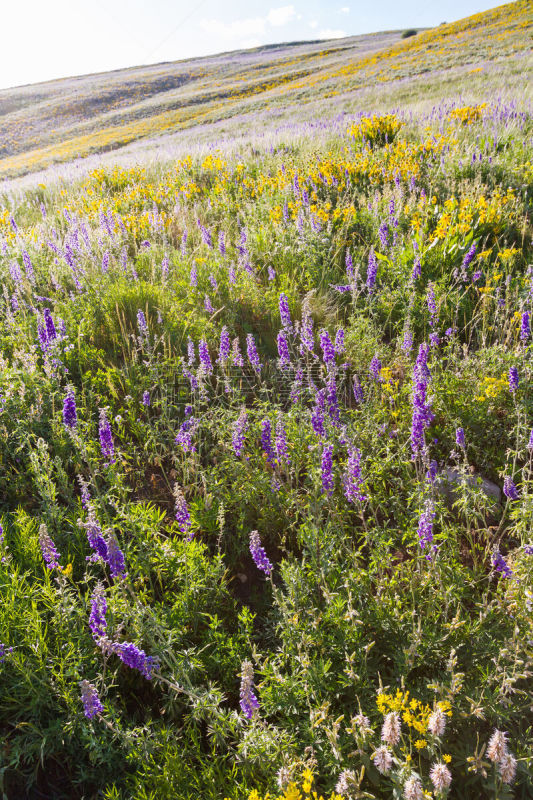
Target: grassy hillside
[(266, 442), (66, 119)]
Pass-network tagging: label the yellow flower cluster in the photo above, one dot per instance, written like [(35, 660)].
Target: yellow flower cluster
[(414, 713), (376, 130), (295, 791), (492, 387), (466, 115)]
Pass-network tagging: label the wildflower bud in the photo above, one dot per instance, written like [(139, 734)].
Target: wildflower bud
[(437, 722), (390, 732), (440, 776), (507, 768), (382, 759), (497, 747)]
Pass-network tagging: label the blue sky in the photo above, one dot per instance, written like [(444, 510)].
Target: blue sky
[(45, 39)]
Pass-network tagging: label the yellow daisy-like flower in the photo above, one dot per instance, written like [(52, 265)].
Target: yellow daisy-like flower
[(447, 758), (420, 744)]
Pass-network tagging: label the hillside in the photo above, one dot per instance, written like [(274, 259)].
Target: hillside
[(65, 119), (266, 439)]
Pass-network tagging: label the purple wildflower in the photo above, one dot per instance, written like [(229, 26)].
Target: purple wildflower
[(142, 324), (509, 488), (417, 269), (525, 329), (328, 352), (70, 417), (239, 432), (48, 548), (357, 390), (282, 451), (513, 379), (317, 414), (339, 342), (258, 554), (146, 399), (349, 265), (253, 356), (97, 617), (4, 651), (422, 414), (205, 358), (225, 344), (327, 468), (236, 356), (375, 368), (49, 325), (115, 558), (266, 440), (407, 344), (353, 478), (460, 438), (249, 702), (372, 271), (500, 565), (222, 244), (383, 234), (106, 438), (135, 658), (183, 516), (425, 528), (283, 351), (306, 334), (468, 259), (91, 702), (193, 276), (333, 403), (208, 305), (284, 312)]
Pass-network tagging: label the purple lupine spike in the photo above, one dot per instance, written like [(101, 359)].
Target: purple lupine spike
[(48, 548), (432, 308), (146, 399), (206, 236), (135, 658), (94, 535), (513, 380), (253, 356), (191, 355), (51, 332), (97, 617), (339, 346), (422, 414), (142, 324), (266, 440), (460, 438), (327, 469), (225, 345), (92, 705), (258, 554), (283, 351), (500, 565), (284, 312), (164, 268), (509, 488), (84, 491), (193, 276), (208, 305), (417, 270), (28, 266), (306, 334), (213, 282), (328, 352), (425, 528), (375, 368), (349, 265), (115, 558), (186, 432), (106, 438), (249, 702), (271, 274), (317, 414), (183, 516), (468, 259), (357, 390), (525, 328), (407, 344), (282, 451), (236, 356), (530, 442), (353, 478), (239, 432), (333, 403), (70, 416), (372, 271), (105, 262), (383, 234), (205, 358)]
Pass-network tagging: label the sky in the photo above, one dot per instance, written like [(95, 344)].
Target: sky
[(46, 39)]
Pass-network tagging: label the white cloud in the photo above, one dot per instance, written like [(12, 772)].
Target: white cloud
[(330, 33), (313, 24), (234, 30), (345, 10), (281, 16)]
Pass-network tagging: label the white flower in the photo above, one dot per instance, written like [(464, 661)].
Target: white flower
[(347, 781), (382, 759), (437, 722), (497, 748), (412, 789), (284, 777), (441, 777), (507, 767), (362, 723), (390, 732)]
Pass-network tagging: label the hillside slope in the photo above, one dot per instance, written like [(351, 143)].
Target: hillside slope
[(61, 120)]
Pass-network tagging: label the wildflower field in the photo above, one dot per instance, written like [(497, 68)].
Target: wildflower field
[(266, 465)]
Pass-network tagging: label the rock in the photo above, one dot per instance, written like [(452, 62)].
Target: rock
[(450, 477)]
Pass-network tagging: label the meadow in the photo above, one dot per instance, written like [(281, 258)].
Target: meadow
[(266, 448)]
